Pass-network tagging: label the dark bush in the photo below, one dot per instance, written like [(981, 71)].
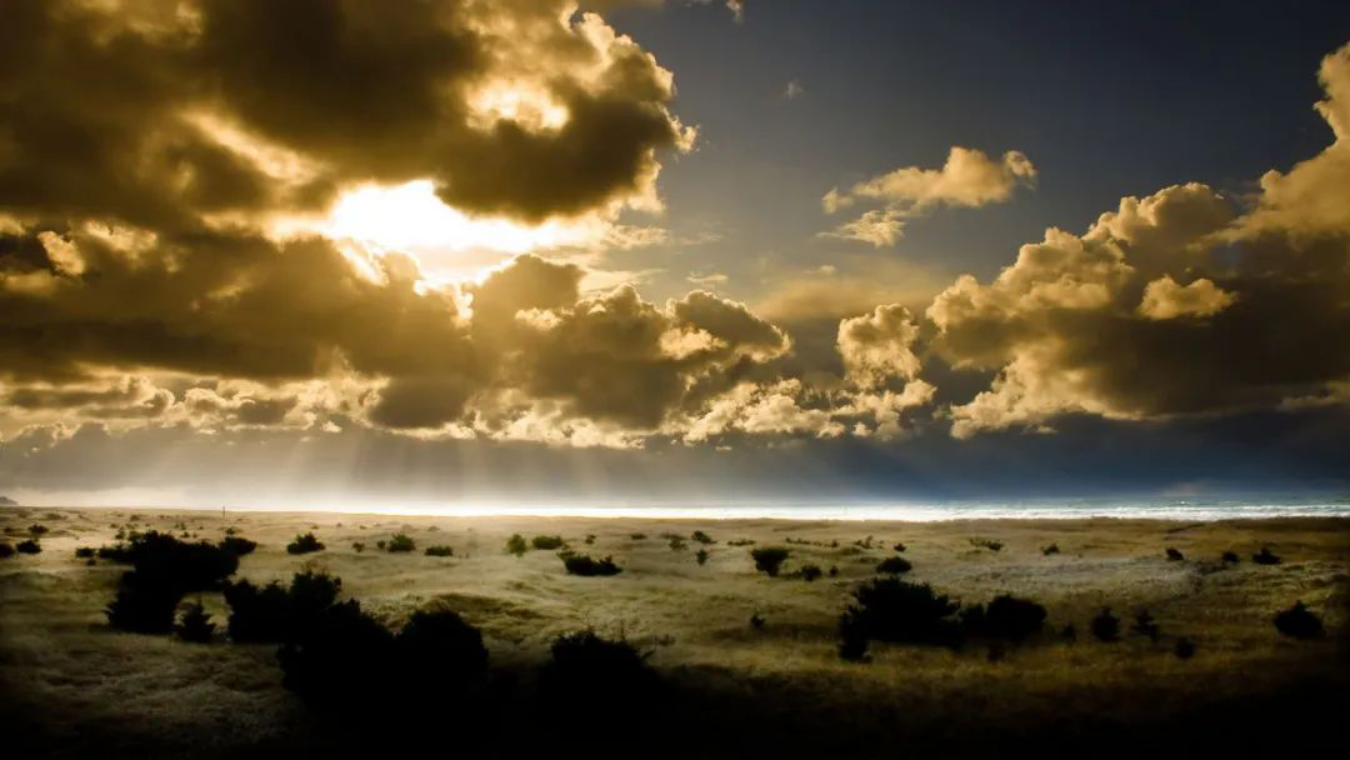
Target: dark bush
[(161, 558), (380, 544), (358, 546), (304, 545), (276, 614), (6, 549), (440, 550), (740, 542), (1184, 649), (894, 566), (195, 625), (590, 673), (516, 545), (1231, 558), (1175, 555), (899, 547), (889, 609), (548, 543), (1105, 626), (769, 559), (1069, 633), (985, 543), (1006, 618), (853, 643), (701, 537), (637, 536), (344, 660), (1051, 549), (1144, 625), (581, 564), (84, 552), (757, 621), (37, 530), (811, 572), (1299, 622), (834, 570), (677, 544), (143, 607), (29, 546), (443, 650), (1266, 557), (400, 543), (701, 556), (590, 539), (237, 546)]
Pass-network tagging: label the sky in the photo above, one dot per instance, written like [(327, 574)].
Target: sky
[(460, 252)]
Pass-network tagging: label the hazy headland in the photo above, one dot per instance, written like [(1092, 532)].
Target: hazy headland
[(72, 683)]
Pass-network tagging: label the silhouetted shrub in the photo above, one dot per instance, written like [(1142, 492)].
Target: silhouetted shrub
[(380, 544), (84, 552), (1105, 626), (142, 607), (769, 559), (29, 546), (277, 614), (757, 621), (811, 572), (853, 643), (440, 550), (1144, 625), (1299, 622), (443, 650), (161, 558), (237, 546), (834, 570), (1231, 558), (740, 542), (6, 549), (1006, 618), (1174, 555), (590, 539), (1184, 649), (195, 625), (701, 537), (701, 556), (547, 543), (588, 673), (1069, 633), (637, 536), (1265, 557), (986, 543), (37, 530), (894, 566), (344, 659), (400, 543), (359, 546), (516, 545), (899, 547), (889, 609), (1051, 549), (304, 545), (677, 544), (581, 564)]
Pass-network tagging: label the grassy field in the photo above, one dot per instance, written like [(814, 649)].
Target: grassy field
[(69, 680)]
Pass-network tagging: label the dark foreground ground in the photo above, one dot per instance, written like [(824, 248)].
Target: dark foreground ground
[(70, 686)]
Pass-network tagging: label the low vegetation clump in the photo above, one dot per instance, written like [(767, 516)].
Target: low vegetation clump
[(237, 546), (1175, 555), (889, 609), (894, 566), (1004, 618), (1146, 626), (305, 544), (37, 530), (273, 613), (84, 552), (986, 543), (588, 672), (811, 572), (440, 550), (1231, 558), (740, 542), (516, 545), (701, 556), (1105, 626), (1050, 549), (164, 569), (195, 625), (1184, 648), (677, 544), (400, 543), (6, 549), (757, 621), (701, 537), (769, 559), (29, 546), (341, 660), (899, 546), (548, 543), (637, 536), (1266, 557), (1299, 622), (584, 565), (358, 546)]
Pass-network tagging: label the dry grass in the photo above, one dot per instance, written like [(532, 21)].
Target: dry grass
[(60, 661)]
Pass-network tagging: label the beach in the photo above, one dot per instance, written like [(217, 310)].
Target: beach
[(68, 676)]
